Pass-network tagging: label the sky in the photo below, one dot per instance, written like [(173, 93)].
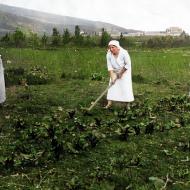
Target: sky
[(146, 15)]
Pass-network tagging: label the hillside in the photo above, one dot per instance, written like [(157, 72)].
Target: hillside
[(40, 22)]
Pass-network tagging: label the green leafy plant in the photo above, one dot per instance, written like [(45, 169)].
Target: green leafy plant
[(38, 75)]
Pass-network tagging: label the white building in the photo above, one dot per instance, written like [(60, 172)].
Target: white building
[(133, 34), (155, 33), (171, 31), (174, 31)]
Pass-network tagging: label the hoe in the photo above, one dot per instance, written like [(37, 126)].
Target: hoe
[(99, 97)]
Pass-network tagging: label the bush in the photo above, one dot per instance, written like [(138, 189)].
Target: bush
[(13, 76), (38, 75), (17, 76)]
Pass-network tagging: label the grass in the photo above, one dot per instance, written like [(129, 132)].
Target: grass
[(159, 160)]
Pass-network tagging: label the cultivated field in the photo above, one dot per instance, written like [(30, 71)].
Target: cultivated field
[(49, 142)]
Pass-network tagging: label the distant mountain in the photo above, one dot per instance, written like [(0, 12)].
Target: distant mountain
[(40, 22)]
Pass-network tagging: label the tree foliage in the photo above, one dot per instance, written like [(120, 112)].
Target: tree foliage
[(78, 39), (105, 38), (56, 38), (33, 40), (18, 38), (44, 40), (6, 40), (66, 37)]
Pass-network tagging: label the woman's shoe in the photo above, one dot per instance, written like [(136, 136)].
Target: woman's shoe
[(108, 106)]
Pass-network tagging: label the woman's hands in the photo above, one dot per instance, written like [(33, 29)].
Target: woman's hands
[(113, 77), (119, 75)]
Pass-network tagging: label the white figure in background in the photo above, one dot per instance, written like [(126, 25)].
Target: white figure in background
[(2, 83)]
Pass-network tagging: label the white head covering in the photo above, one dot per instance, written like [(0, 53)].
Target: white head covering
[(114, 43)]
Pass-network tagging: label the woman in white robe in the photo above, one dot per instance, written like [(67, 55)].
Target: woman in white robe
[(119, 67), (2, 83)]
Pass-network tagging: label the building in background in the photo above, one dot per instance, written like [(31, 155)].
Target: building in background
[(174, 31), (171, 31)]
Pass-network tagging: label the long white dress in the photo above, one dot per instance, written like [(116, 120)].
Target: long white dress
[(2, 83), (122, 90)]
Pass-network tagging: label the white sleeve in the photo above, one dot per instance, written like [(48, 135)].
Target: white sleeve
[(109, 65), (127, 60)]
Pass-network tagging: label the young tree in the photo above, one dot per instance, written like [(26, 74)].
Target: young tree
[(121, 39), (90, 41), (56, 38), (6, 40), (44, 40), (18, 38), (34, 40), (78, 38), (150, 43), (77, 31), (66, 36), (105, 38)]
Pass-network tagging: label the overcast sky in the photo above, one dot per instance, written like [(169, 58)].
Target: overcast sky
[(147, 15)]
